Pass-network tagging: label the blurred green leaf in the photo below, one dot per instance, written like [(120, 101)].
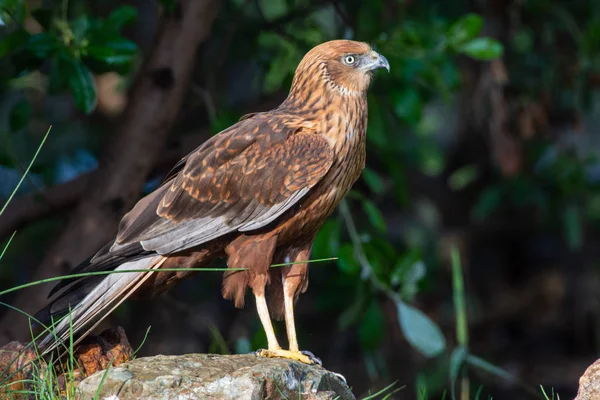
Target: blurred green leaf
[(404, 263), (407, 104), (380, 254), (327, 242), (79, 28), (58, 77), (482, 48), (592, 207), (412, 277), (463, 177), (347, 261), (490, 368), (420, 331), (408, 272), (373, 180), (522, 40), (376, 124), (13, 41), (370, 11), (400, 186), (82, 84), (121, 16), (169, 5), (573, 227), (431, 158), (121, 46), (352, 313), (375, 216), (114, 52), (282, 65), (466, 28), (16, 10), (238, 3), (275, 77), (42, 45), (487, 203), (273, 9), (19, 115), (371, 329)]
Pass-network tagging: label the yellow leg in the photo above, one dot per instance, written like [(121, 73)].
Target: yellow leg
[(274, 350), (290, 326), (265, 320)]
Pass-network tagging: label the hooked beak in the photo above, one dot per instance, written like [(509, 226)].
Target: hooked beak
[(374, 60)]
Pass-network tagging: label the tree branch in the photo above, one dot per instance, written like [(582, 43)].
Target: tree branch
[(26, 209)]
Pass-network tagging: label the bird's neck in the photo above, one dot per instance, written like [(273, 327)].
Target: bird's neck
[(316, 98), (315, 93), (341, 117)]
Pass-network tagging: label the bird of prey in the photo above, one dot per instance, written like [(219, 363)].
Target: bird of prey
[(255, 193)]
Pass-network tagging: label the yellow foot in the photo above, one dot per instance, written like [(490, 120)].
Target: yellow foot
[(290, 355)]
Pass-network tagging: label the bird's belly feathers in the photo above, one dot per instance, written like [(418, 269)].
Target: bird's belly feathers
[(310, 213)]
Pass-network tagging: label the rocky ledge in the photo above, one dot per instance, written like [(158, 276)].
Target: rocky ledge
[(589, 383), (207, 376)]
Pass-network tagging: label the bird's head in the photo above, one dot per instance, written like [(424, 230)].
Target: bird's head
[(345, 66)]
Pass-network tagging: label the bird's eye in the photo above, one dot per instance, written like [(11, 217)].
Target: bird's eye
[(349, 60)]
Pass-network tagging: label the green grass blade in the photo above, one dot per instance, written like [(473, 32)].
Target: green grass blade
[(554, 396), (95, 273), (7, 244), (37, 152), (142, 343), (71, 357), (462, 334), (484, 365), (478, 392), (457, 360), (283, 396), (45, 331), (97, 395), (481, 364), (384, 390)]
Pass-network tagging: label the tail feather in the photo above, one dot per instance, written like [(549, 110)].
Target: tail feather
[(101, 301)]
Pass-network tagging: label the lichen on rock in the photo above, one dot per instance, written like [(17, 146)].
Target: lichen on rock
[(589, 383), (207, 376)]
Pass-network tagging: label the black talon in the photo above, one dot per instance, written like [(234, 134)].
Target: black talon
[(257, 352), (340, 377), (312, 357)]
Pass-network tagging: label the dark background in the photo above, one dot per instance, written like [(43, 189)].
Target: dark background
[(482, 139)]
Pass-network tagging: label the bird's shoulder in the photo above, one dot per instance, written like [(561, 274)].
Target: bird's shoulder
[(261, 130), (256, 139)]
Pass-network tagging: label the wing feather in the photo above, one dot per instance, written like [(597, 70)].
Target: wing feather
[(249, 175)]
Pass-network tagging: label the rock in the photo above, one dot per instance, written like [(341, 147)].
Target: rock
[(21, 366), (589, 383), (95, 353), (16, 367), (207, 376)]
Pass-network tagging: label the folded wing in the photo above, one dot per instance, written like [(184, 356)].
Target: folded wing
[(241, 180)]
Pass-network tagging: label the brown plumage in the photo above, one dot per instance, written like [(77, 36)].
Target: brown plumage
[(256, 193)]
